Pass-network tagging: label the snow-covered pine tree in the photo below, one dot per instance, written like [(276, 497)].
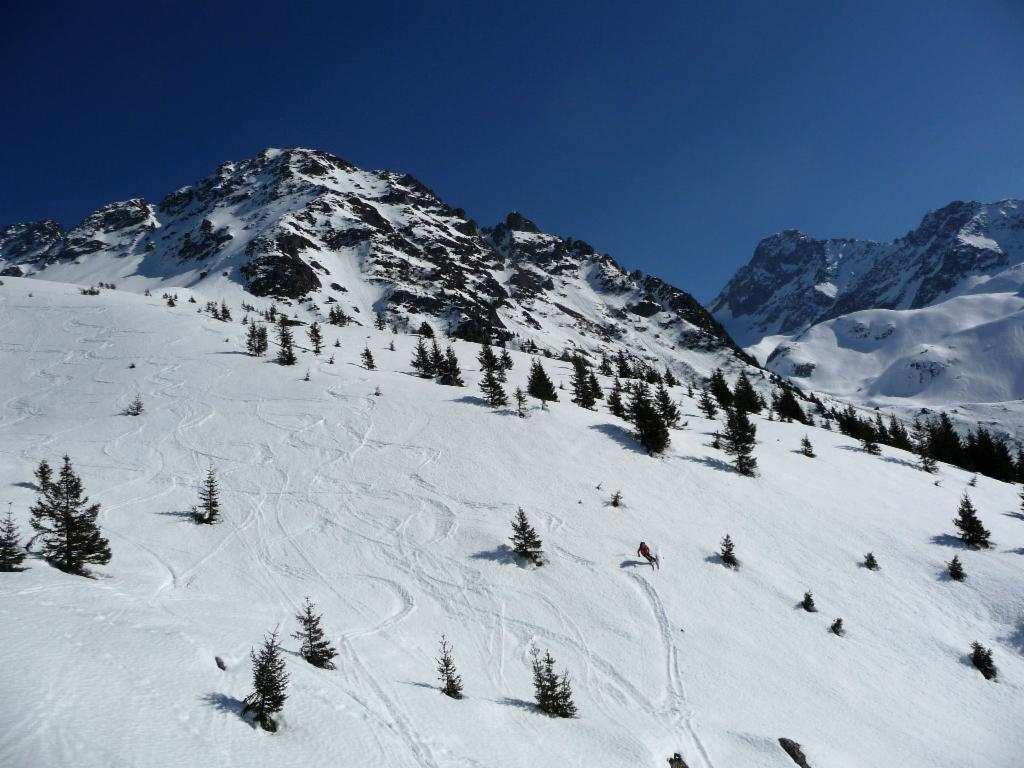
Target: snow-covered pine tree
[(65, 521), (451, 373), (451, 681), (11, 553), (615, 404), (720, 388), (316, 337), (837, 628), (956, 569), (870, 562), (981, 657), (494, 393), (207, 511), (270, 680), (667, 409), (315, 648), (525, 541), (808, 602), (286, 343), (582, 394), (539, 384), (706, 404), (745, 397), (806, 448), (520, 398), (727, 553), (972, 532), (367, 357), (739, 440), (421, 361), (649, 428), (43, 474)]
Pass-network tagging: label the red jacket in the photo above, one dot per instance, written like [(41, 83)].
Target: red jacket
[(644, 550)]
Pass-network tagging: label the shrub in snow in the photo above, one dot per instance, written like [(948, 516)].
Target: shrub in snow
[(806, 448), (727, 553), (269, 683), (982, 659), (837, 628), (525, 541), (451, 681), (870, 562), (972, 532), (956, 569), (808, 602), (367, 358), (616, 499), (315, 648), (207, 511), (135, 407)]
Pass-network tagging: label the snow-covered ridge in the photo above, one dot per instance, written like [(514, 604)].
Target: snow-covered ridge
[(391, 512), (306, 225)]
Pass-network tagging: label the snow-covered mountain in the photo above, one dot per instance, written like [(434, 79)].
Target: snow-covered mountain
[(932, 319), (392, 513), (307, 226)]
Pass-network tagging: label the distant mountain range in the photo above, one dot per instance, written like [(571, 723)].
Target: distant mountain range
[(307, 227)]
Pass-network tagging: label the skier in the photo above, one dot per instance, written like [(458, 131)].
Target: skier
[(645, 551)]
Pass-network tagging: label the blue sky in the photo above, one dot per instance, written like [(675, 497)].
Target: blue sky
[(673, 135)]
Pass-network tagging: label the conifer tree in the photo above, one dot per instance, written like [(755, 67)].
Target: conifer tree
[(553, 693), (615, 404), (207, 511), (43, 474), (379, 322), (622, 369), (436, 357), (868, 444), (707, 405), (582, 393), (808, 602), (487, 359), (494, 393), (605, 368), (720, 388), (316, 337), (256, 339), (667, 409), (520, 398), (525, 541), (898, 437), (649, 427), (787, 406), (727, 553), (391, 346), (806, 448), (425, 331), (315, 648), (505, 360), (451, 681), (923, 447), (745, 397), (270, 680), (135, 407), (595, 387), (837, 628), (225, 313), (870, 562), (367, 358), (981, 657), (539, 385), (972, 532), (421, 361), (11, 553), (670, 380), (739, 440), (451, 373), (616, 499), (66, 522), (956, 569), (286, 350)]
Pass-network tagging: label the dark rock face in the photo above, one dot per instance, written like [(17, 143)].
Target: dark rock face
[(795, 751), (30, 242), (276, 269), (794, 281)]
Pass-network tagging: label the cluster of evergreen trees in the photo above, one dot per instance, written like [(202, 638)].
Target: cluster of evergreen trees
[(495, 368), (432, 363)]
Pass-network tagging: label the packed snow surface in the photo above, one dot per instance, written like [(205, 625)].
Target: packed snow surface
[(392, 513)]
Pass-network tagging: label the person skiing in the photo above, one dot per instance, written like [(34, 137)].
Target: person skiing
[(644, 551)]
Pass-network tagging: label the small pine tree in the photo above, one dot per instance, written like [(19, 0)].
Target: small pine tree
[(868, 444), (391, 345), (436, 357), (451, 682), (745, 397), (707, 405), (615, 404), (870, 562), (670, 380), (66, 522), (505, 360), (451, 374), (740, 438), (421, 361), (972, 532), (616, 499), (727, 553), (367, 357), (43, 474), (135, 407), (582, 393), (595, 387), (539, 384), (256, 339), (520, 398), (973, 481), (225, 313), (720, 389), (667, 409), (981, 657), (316, 338), (923, 447), (649, 428), (270, 680), (379, 322), (315, 648), (806, 448), (837, 628), (956, 569), (11, 553), (525, 541), (286, 344), (553, 693), (808, 602), (494, 393), (424, 331), (207, 511)]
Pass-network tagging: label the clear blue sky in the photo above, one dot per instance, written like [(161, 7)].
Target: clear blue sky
[(673, 136)]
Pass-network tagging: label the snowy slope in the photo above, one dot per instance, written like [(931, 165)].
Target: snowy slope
[(391, 513)]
